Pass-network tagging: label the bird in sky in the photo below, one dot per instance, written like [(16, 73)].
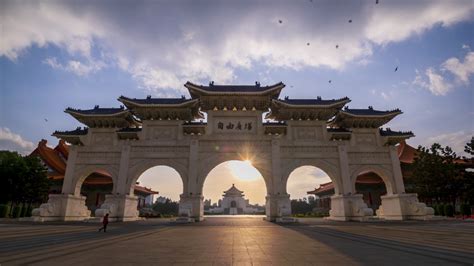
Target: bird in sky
[(396, 69), (330, 81), (350, 20), (307, 43), (376, 1), (281, 21), (337, 46), (46, 120)]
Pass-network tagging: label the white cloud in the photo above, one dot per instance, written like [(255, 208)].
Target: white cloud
[(76, 67), (12, 141), (394, 21), (439, 83), (35, 23), (211, 42), (461, 70), (455, 140)]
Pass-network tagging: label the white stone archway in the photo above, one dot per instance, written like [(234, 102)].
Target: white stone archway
[(170, 131)]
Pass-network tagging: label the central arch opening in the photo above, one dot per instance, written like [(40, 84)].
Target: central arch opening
[(158, 190), (310, 189), (234, 188)]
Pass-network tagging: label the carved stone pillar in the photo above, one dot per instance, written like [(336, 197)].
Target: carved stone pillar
[(192, 206), (119, 207), (404, 207), (61, 207), (69, 187), (349, 208), (277, 206)]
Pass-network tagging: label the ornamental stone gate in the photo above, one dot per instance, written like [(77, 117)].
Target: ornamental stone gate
[(127, 141)]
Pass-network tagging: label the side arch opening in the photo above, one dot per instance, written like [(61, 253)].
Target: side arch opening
[(310, 189), (158, 190), (95, 185)]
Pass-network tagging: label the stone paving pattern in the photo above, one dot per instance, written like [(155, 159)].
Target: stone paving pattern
[(239, 241)]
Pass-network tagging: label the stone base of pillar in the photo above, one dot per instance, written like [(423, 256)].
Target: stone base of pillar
[(404, 207), (62, 207), (349, 208), (191, 207), (277, 207), (121, 208)]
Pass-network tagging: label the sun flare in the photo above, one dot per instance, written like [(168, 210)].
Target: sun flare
[(244, 170)]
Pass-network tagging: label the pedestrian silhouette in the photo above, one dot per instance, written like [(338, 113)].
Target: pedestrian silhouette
[(105, 222)]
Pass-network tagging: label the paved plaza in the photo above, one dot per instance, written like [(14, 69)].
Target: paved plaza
[(239, 241)]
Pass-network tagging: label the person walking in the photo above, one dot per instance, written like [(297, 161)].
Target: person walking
[(105, 222)]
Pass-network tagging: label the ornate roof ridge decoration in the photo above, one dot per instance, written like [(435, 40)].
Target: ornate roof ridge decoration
[(234, 97), (149, 101), (198, 90), (305, 109), (388, 132), (52, 158), (312, 103), (395, 137), (104, 117), (370, 111), (97, 110), (363, 118), (163, 108), (79, 131), (145, 190), (72, 136)]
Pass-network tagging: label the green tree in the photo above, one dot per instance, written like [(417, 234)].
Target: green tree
[(168, 207), (12, 170), (469, 174), (22, 179), (437, 174), (469, 147), (37, 183)]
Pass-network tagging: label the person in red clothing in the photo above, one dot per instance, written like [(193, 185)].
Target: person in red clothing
[(105, 221)]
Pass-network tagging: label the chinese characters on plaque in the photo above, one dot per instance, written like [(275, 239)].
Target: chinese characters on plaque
[(235, 126)]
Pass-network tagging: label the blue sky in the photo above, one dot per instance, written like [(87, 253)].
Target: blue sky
[(55, 55)]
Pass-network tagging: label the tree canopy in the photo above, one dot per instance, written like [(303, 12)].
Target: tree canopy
[(22, 179), (439, 174)]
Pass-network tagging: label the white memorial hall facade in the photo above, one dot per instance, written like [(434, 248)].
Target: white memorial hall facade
[(148, 132)]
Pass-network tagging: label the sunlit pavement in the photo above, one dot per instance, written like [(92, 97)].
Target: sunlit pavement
[(239, 241)]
